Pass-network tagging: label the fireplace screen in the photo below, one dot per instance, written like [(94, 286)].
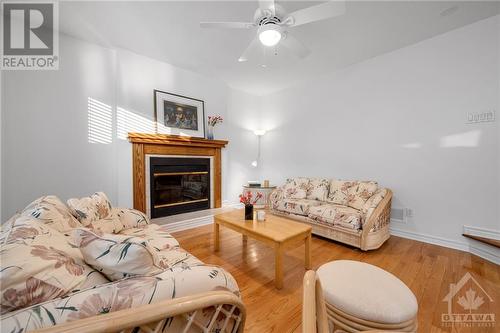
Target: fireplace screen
[(179, 185)]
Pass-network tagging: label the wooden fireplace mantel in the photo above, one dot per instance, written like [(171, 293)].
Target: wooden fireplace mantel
[(163, 144)]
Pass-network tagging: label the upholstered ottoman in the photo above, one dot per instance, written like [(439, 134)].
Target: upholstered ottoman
[(361, 297)]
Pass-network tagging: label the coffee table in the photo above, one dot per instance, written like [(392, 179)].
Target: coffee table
[(276, 231)]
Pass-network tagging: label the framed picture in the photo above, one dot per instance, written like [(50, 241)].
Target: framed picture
[(179, 115)]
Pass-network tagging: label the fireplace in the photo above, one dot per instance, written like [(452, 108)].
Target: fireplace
[(177, 151), (178, 185)]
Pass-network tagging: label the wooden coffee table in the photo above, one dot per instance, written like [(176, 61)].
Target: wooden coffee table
[(276, 231)]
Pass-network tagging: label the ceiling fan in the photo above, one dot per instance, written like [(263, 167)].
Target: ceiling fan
[(272, 23)]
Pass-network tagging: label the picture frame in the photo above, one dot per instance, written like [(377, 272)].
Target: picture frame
[(179, 115)]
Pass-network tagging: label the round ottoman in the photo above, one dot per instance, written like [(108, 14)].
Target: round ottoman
[(362, 297)]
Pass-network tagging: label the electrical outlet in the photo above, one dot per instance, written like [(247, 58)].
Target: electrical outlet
[(408, 212)]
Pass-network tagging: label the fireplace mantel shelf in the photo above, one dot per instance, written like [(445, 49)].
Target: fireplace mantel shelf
[(145, 144), (175, 140)]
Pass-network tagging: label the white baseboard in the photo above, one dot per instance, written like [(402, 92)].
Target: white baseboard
[(231, 204), (482, 250), (430, 239), (189, 224), (485, 251)]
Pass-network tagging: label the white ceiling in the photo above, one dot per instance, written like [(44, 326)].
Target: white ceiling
[(169, 31)]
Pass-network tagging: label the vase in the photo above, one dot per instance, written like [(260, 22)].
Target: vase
[(248, 212), (210, 132)]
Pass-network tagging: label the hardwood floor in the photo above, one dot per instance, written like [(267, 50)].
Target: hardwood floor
[(427, 269)]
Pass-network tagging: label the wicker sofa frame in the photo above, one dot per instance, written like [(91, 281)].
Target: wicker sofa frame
[(152, 318), (374, 233)]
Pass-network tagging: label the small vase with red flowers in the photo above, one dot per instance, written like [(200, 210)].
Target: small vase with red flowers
[(248, 200)]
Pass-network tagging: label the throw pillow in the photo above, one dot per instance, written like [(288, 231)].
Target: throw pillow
[(339, 191), (38, 264), (53, 212), (89, 209), (359, 193), (296, 188), (118, 256), (318, 189)]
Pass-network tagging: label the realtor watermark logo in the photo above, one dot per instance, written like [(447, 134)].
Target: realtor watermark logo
[(30, 38), (468, 305)]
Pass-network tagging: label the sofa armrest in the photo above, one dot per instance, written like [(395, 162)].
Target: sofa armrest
[(224, 304), (380, 217), (277, 194)]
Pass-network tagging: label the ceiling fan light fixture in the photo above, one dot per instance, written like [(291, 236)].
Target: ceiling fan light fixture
[(270, 34)]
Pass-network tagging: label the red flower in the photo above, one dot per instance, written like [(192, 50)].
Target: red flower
[(246, 198)]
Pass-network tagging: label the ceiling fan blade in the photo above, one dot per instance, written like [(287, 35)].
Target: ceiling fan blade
[(227, 25), (294, 45), (267, 5), (251, 50), (316, 13)]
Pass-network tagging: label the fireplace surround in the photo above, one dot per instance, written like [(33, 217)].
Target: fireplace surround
[(187, 185)]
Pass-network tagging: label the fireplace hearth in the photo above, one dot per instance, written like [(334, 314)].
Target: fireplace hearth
[(178, 185)]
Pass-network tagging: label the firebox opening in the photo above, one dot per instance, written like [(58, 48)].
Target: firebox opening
[(179, 185)]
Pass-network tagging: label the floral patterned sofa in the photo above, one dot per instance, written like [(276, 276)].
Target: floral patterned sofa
[(64, 265), (352, 212)]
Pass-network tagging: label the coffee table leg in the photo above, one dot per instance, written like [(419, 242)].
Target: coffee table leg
[(278, 266), (216, 236), (307, 260), (244, 238)]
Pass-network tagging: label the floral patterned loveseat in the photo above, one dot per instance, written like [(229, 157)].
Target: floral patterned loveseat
[(352, 212), (86, 263)]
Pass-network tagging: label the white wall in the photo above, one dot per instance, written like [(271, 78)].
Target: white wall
[(243, 119), (45, 128), (400, 119), (64, 131), (1, 139)]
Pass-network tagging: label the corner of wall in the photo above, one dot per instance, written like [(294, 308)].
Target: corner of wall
[(1, 142)]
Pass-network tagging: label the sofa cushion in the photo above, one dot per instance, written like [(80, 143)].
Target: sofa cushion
[(89, 209), (295, 206), (318, 189), (337, 215), (52, 212), (367, 292), (156, 235), (120, 219), (127, 293), (339, 190), (131, 218), (296, 188), (38, 264), (360, 192), (118, 256)]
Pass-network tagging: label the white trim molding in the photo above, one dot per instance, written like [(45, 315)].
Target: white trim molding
[(231, 204), (189, 224), (479, 249), (429, 239)]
